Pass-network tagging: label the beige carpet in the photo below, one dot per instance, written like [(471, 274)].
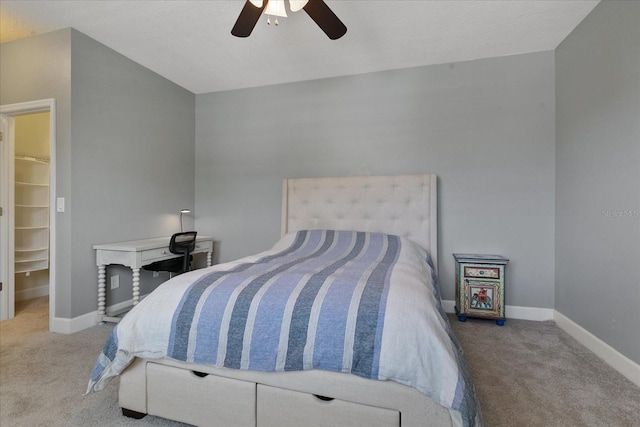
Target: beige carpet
[(526, 374), (534, 374)]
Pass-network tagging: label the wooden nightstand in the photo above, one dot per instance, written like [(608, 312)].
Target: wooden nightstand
[(480, 286)]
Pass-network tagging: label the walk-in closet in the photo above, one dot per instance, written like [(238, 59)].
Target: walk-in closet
[(31, 204)]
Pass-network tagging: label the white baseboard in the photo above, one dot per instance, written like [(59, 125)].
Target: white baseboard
[(77, 324), (513, 311), (618, 361), (31, 293)]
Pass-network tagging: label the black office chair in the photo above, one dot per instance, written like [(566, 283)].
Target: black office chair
[(180, 244)]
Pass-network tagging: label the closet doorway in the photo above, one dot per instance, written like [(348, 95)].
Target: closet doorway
[(27, 195)]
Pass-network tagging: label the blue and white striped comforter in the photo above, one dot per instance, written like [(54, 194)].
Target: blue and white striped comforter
[(361, 303)]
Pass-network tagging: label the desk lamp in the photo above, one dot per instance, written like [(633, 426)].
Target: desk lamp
[(183, 211)]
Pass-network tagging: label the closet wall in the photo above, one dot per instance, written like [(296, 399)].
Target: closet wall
[(31, 201)]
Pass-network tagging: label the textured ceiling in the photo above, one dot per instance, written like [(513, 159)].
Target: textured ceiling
[(189, 42)]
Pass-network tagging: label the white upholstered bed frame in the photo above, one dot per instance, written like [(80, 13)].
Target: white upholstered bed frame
[(404, 205)]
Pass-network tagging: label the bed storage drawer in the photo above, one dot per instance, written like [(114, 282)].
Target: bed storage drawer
[(280, 407), (181, 395)]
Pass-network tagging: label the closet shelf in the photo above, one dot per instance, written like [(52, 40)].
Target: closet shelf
[(29, 269), (23, 261), (32, 184), (32, 158), (34, 249)]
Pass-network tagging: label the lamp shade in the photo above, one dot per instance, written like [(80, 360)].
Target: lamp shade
[(183, 211)]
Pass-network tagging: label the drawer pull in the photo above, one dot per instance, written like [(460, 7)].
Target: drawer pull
[(200, 374), (324, 398), (164, 252)]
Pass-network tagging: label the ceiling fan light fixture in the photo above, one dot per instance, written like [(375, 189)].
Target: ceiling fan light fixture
[(276, 8), (318, 10)]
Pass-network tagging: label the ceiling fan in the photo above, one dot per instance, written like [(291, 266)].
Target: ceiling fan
[(316, 9)]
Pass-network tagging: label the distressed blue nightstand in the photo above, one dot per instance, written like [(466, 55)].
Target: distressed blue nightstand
[(480, 286)]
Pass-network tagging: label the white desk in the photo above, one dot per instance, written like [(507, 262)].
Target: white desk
[(135, 254)]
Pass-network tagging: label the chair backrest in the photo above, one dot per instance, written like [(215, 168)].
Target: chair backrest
[(183, 244)]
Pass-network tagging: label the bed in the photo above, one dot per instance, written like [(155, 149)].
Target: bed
[(374, 348)]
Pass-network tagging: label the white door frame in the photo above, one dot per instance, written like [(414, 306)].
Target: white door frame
[(7, 295), (8, 299)]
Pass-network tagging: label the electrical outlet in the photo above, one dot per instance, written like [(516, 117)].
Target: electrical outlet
[(115, 282)]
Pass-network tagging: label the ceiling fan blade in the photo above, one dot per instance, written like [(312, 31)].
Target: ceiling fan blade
[(325, 18), (247, 19)]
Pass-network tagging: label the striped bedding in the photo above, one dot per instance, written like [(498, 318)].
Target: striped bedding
[(361, 303)]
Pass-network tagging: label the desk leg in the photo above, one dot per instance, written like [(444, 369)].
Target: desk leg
[(136, 285), (101, 292), (209, 258)]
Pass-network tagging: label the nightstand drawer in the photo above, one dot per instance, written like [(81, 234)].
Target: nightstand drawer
[(482, 272)]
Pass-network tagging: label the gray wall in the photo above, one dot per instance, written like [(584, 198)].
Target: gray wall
[(132, 158), (598, 175), (125, 153), (485, 127), (40, 68)]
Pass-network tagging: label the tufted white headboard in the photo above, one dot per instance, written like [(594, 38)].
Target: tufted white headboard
[(404, 205)]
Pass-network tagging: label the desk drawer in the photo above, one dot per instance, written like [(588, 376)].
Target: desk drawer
[(153, 254), (206, 246)]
